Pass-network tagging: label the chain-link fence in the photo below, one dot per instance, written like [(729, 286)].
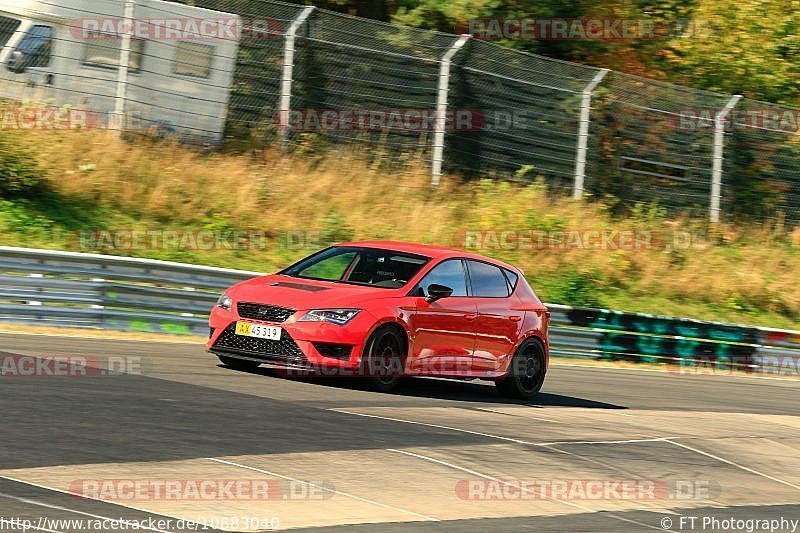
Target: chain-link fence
[(653, 141), (256, 72)]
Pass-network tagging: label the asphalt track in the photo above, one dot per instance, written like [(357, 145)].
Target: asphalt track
[(717, 447)]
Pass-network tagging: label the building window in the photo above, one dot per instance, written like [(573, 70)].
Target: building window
[(193, 59)]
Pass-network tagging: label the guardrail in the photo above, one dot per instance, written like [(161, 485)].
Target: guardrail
[(639, 337), (53, 288)]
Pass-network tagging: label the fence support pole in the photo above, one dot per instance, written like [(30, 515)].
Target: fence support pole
[(285, 104), (441, 108), (716, 165), (583, 133), (117, 120)]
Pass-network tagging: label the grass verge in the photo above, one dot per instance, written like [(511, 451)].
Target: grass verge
[(87, 181)]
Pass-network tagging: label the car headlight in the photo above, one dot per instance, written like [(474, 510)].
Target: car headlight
[(225, 302), (340, 317)]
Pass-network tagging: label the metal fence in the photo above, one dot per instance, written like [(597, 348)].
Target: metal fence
[(307, 76), (51, 288)]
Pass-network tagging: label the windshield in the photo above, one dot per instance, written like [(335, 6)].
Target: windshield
[(7, 28), (361, 266)]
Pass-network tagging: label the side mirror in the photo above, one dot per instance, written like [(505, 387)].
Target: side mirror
[(16, 62), (437, 292)]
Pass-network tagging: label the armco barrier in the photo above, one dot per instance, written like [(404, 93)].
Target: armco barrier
[(52, 288), (639, 337)]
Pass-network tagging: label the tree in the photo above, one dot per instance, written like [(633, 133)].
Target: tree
[(748, 47)]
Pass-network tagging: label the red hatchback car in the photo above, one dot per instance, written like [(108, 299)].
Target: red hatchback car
[(384, 310)]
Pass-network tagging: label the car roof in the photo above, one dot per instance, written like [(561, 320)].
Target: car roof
[(429, 250)]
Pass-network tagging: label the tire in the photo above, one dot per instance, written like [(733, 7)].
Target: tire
[(383, 361), (526, 372), (238, 364)]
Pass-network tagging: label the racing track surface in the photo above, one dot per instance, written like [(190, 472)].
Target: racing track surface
[(716, 446)]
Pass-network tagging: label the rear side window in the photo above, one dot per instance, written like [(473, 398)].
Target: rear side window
[(193, 59), (449, 273), (488, 281), (512, 278)]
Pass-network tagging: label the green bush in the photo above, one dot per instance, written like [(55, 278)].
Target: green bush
[(570, 288), (19, 175)]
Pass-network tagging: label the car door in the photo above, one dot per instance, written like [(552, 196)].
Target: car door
[(498, 325), (442, 331)]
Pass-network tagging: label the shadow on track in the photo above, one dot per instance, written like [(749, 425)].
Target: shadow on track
[(447, 389)]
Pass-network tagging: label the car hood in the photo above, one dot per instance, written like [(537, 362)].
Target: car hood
[(300, 294)]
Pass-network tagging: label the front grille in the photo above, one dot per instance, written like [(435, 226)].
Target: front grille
[(210, 332), (283, 351), (268, 313)]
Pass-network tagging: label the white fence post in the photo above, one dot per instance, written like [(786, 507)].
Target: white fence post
[(716, 165), (441, 108), (117, 121), (583, 133), (285, 105)]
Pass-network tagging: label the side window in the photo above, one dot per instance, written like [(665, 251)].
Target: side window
[(103, 51), (512, 278), (193, 59), (37, 46), (488, 281), (450, 273)]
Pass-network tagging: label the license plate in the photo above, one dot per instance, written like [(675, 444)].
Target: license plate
[(246, 329)]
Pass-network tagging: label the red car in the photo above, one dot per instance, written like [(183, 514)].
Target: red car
[(383, 310)]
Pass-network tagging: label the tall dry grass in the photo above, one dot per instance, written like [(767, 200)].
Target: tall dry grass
[(736, 273)]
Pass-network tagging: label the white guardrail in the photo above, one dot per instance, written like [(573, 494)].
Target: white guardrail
[(52, 288)]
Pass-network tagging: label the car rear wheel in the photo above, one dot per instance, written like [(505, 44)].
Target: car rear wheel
[(238, 364), (526, 373), (384, 359)]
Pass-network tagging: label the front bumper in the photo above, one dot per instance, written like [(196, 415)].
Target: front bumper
[(318, 347)]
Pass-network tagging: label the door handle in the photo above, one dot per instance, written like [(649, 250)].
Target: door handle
[(515, 318), (470, 317)]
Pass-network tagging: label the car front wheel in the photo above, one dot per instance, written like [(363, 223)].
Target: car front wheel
[(526, 372), (384, 359)]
